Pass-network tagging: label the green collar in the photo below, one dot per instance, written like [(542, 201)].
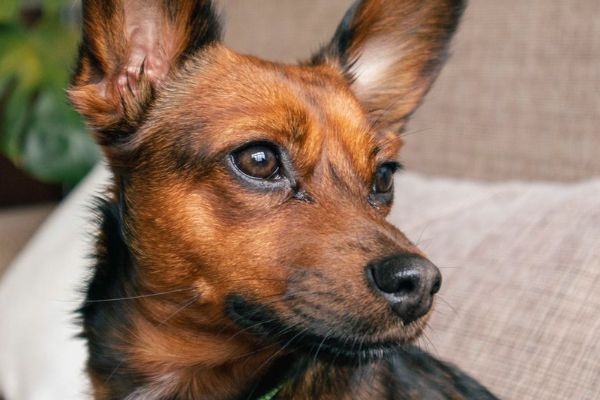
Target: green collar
[(271, 394)]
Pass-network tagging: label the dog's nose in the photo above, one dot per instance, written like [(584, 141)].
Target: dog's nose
[(408, 282)]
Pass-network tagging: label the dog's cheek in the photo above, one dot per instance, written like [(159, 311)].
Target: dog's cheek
[(221, 238)]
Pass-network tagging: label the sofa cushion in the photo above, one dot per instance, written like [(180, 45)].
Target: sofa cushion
[(520, 302)]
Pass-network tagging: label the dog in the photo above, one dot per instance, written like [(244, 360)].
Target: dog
[(243, 251)]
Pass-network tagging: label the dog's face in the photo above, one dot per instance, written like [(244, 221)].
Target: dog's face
[(261, 187), (274, 194)]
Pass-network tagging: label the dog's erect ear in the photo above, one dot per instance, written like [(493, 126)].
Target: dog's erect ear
[(392, 51), (128, 48)]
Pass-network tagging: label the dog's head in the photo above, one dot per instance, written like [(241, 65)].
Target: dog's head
[(262, 187)]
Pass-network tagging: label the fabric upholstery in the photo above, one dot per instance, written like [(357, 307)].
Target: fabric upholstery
[(520, 301), (520, 97)]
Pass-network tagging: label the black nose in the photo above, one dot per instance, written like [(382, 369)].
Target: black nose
[(408, 282)]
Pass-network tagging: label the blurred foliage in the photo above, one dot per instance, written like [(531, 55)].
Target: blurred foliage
[(39, 130)]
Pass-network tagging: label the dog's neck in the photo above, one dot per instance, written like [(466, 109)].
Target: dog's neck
[(288, 378), (136, 342), (327, 381)]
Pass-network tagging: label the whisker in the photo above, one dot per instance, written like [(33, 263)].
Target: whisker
[(422, 232), (248, 328), (268, 360), (447, 303), (385, 112), (416, 131), (114, 371), (178, 310), (253, 352), (286, 345), (435, 350), (142, 296), (185, 305), (322, 343)]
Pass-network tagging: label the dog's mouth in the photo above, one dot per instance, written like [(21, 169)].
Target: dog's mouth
[(265, 323)]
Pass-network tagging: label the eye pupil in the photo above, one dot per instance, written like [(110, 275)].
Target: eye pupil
[(257, 161)]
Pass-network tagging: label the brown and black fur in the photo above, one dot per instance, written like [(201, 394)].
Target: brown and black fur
[(212, 284)]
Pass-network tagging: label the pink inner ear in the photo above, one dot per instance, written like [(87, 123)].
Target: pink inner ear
[(148, 41), (375, 64)]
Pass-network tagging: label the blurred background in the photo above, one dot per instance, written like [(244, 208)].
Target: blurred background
[(44, 149), (519, 99), (502, 188)]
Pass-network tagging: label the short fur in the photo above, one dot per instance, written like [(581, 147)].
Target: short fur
[(210, 284)]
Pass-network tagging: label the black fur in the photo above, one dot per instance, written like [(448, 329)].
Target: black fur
[(114, 278), (206, 23)]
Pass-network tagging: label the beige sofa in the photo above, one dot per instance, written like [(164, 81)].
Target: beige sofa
[(503, 193)]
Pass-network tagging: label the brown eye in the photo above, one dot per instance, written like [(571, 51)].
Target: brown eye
[(258, 161), (382, 191)]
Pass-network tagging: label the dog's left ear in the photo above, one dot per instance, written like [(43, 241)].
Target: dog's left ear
[(391, 51), (129, 48)]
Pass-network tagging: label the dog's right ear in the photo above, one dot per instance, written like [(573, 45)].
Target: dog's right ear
[(391, 52), (128, 49)]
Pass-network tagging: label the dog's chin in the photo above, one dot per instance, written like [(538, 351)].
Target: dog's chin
[(265, 324)]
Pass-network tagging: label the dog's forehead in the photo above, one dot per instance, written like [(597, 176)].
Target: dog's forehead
[(228, 99)]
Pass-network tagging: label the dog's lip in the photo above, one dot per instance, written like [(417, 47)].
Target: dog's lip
[(264, 323), (346, 348)]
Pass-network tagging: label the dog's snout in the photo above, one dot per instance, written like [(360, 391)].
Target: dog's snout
[(408, 282)]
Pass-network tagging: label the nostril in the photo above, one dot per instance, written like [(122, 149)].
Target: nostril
[(407, 285), (382, 280), (437, 285)]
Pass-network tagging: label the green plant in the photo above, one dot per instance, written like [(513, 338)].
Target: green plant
[(39, 131)]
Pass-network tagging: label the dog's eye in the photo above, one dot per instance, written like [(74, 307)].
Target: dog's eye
[(383, 181), (382, 191), (258, 161)]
